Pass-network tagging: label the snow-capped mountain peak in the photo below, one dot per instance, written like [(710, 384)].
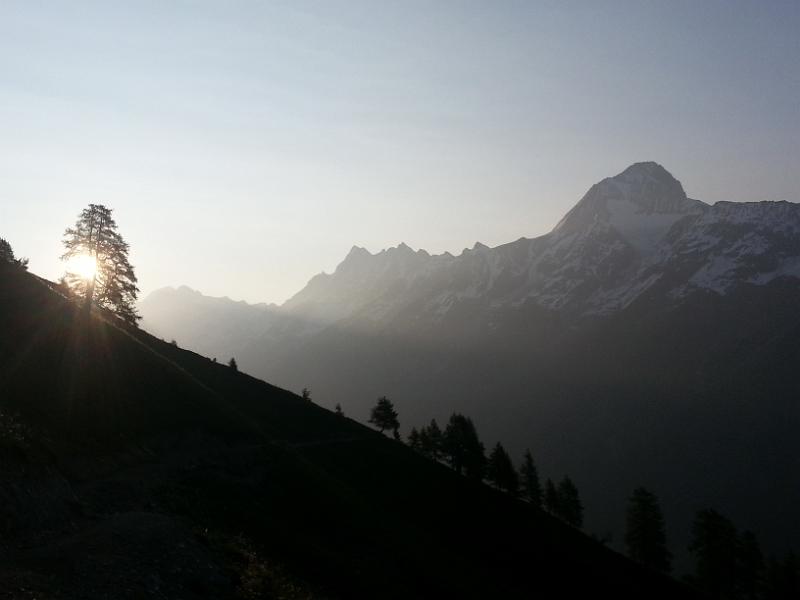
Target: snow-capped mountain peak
[(641, 204), (629, 235)]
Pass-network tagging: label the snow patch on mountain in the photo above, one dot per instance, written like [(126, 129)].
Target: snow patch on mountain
[(630, 234)]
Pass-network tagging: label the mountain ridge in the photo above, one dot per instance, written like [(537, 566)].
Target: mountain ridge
[(623, 232)]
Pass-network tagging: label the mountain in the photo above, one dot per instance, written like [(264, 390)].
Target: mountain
[(649, 338), (627, 233), (226, 324), (134, 469)]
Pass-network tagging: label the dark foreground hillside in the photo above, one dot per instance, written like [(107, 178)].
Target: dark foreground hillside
[(132, 469)]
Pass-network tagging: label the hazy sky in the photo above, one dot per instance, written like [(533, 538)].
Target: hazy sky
[(245, 147)]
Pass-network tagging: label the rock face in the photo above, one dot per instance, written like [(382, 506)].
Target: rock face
[(649, 338)]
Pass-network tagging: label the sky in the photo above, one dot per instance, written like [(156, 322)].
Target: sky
[(246, 146)]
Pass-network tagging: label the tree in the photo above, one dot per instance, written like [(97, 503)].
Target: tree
[(338, 410), (714, 542), (750, 566), (569, 503), (306, 394), (529, 478), (645, 533), (463, 448), (233, 364), (431, 440), (414, 440), (106, 278), (551, 498), (500, 470), (384, 416), (7, 255)]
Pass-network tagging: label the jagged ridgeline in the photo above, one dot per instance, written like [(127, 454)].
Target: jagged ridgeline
[(648, 339), (133, 468)]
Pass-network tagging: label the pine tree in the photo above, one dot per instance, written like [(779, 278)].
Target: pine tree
[(500, 470), (529, 478), (645, 533), (569, 503), (432, 440), (7, 255), (306, 394), (414, 440), (383, 416), (233, 364), (714, 544), (112, 284), (463, 448), (750, 566), (338, 410), (551, 498)]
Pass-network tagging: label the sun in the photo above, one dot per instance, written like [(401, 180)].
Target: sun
[(83, 265)]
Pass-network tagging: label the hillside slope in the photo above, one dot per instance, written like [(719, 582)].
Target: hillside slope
[(648, 339), (134, 469)]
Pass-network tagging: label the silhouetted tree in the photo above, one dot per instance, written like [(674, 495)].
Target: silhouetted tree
[(463, 448), (645, 532), (384, 416), (414, 440), (431, 440), (233, 365), (529, 480), (306, 394), (714, 542), (500, 470), (569, 503), (338, 410), (551, 498), (7, 255), (113, 284), (750, 567)]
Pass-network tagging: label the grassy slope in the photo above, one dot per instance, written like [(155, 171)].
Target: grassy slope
[(148, 471)]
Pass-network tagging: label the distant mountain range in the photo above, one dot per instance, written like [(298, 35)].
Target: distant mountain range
[(649, 338)]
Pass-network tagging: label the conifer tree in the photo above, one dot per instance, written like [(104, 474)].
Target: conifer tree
[(714, 545), (424, 442), (384, 416), (569, 503), (463, 448), (551, 498), (414, 440), (500, 470), (750, 566), (7, 255), (233, 364), (645, 533), (112, 282), (432, 440), (338, 410), (529, 479)]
